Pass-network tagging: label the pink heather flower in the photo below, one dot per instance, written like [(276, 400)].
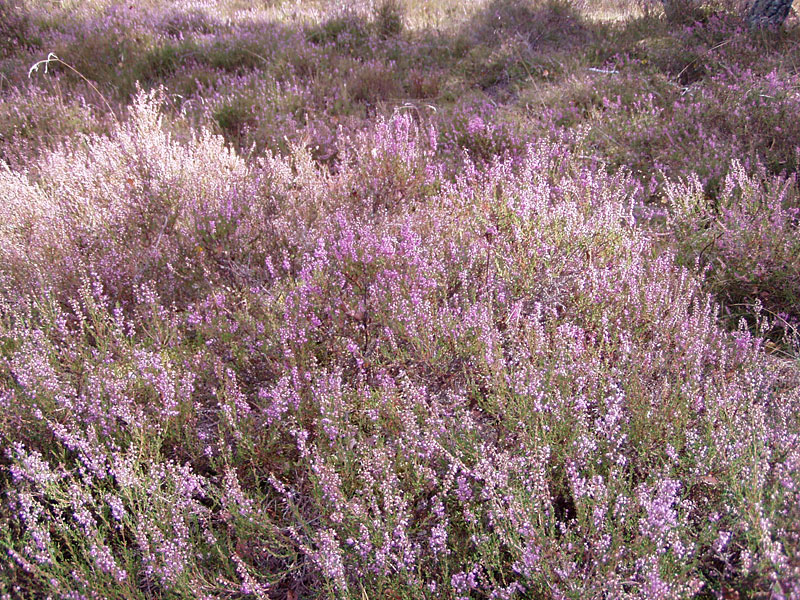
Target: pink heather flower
[(475, 125), (106, 562), (328, 557), (116, 506), (438, 539)]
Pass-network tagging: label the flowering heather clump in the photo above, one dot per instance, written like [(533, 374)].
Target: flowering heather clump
[(90, 207), (480, 130), (490, 385), (747, 237)]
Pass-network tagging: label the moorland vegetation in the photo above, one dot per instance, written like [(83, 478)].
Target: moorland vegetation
[(398, 299)]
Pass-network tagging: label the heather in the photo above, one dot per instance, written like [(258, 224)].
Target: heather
[(397, 300)]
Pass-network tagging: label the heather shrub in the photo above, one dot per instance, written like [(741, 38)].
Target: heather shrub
[(347, 31), (481, 129), (27, 125), (758, 111), (393, 167), (746, 237), (130, 207), (16, 30), (373, 81), (688, 101), (659, 129), (659, 139), (253, 114), (495, 385)]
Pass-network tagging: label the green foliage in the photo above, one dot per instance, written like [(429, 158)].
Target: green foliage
[(235, 56), (389, 18), (162, 62), (234, 117)]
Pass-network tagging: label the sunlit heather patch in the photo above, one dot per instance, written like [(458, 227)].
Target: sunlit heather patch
[(490, 380), (410, 350)]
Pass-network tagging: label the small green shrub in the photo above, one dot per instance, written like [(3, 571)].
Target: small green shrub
[(389, 18), (423, 84), (234, 117), (685, 12), (552, 23), (234, 55), (373, 82), (161, 62)]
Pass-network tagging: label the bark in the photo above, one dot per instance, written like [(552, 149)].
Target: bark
[(768, 13)]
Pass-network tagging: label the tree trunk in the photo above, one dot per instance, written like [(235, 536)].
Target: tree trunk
[(768, 13)]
